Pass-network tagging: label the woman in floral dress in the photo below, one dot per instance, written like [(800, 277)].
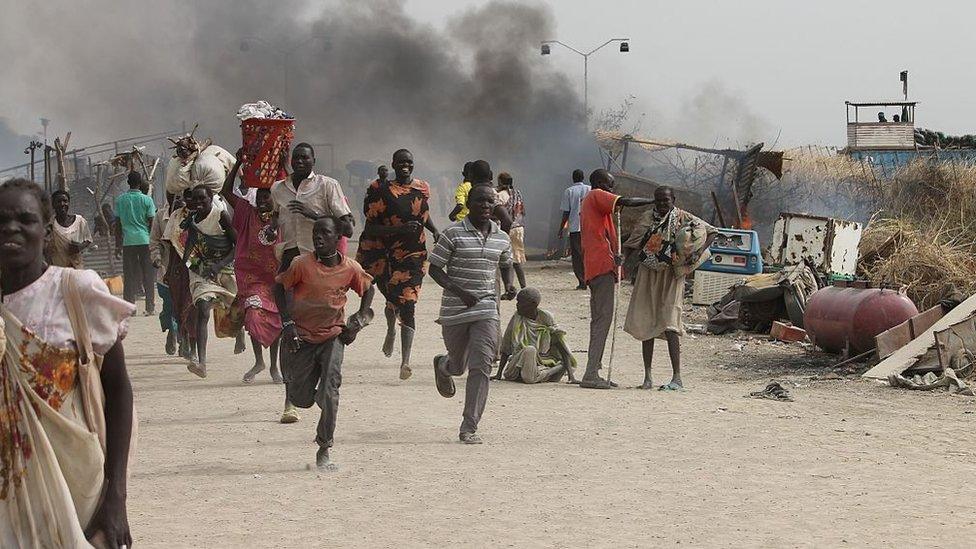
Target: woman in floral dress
[(66, 411), (393, 248)]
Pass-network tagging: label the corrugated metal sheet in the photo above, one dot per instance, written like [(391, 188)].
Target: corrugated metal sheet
[(829, 244), (880, 135), (745, 174), (893, 159)]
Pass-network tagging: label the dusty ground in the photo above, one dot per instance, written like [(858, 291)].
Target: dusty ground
[(849, 463)]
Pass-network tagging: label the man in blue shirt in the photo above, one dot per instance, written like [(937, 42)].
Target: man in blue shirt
[(135, 212), (572, 198)]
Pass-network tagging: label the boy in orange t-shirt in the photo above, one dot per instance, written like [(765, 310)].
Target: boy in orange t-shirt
[(601, 259), (314, 330)]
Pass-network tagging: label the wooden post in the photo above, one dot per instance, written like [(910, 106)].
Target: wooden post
[(59, 148), (718, 210), (47, 168), (623, 157), (735, 193), (738, 208), (74, 164)]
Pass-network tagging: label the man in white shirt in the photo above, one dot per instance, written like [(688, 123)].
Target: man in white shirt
[(297, 202), (572, 198), (302, 198)]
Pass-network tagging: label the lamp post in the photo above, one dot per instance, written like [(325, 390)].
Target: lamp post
[(47, 156), (624, 48), (281, 54), (31, 148)]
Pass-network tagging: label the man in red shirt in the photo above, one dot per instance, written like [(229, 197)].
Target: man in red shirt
[(601, 260), (314, 330)]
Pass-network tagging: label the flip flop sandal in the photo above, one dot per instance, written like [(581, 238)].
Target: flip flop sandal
[(195, 369), (444, 382), (670, 387), (773, 391), (595, 384)]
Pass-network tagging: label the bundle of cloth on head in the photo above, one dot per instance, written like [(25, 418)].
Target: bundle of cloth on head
[(204, 164)]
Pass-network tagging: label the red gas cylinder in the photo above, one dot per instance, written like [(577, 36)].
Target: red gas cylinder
[(850, 315)]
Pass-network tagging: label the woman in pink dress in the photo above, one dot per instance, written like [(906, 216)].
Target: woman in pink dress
[(255, 267)]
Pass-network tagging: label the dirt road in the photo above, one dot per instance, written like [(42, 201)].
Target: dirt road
[(849, 463)]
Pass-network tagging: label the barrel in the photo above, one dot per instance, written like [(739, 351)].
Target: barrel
[(841, 318)]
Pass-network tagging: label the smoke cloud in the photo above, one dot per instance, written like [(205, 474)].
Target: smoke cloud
[(12, 145), (716, 116), (363, 75)]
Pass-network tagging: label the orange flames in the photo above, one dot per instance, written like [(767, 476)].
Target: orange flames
[(746, 220)]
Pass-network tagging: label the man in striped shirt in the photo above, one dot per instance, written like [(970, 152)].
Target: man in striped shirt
[(464, 263)]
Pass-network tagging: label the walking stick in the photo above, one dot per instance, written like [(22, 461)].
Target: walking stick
[(616, 301)]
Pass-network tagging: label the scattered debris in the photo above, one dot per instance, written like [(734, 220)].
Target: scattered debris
[(829, 244), (952, 378), (786, 332), (891, 340), (773, 391), (855, 358), (918, 349)]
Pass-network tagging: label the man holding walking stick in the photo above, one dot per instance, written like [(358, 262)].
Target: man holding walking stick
[(600, 265)]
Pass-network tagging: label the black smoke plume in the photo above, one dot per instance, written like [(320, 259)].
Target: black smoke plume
[(362, 75)]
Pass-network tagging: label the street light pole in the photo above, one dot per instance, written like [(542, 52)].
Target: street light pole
[(624, 48), (31, 148)]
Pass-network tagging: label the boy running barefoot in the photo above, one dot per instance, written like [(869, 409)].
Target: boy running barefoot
[(314, 329)]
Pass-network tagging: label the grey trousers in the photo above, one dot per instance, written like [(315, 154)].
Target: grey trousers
[(313, 375), (472, 346), (601, 317), (138, 273), (576, 252)]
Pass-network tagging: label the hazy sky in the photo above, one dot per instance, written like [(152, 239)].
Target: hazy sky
[(710, 72), (792, 64)]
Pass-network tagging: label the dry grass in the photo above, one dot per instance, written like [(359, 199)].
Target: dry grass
[(818, 165), (925, 237)]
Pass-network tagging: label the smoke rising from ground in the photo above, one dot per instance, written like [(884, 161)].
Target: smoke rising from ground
[(363, 75), (711, 115)]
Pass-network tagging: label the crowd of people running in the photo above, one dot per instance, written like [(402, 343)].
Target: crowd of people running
[(273, 264)]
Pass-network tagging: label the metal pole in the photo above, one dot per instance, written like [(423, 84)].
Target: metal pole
[(47, 167), (619, 272), (586, 88)]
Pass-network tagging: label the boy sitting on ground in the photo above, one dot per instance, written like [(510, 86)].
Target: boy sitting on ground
[(314, 329), (533, 348)]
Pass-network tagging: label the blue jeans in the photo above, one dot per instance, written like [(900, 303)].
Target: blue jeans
[(167, 320)]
